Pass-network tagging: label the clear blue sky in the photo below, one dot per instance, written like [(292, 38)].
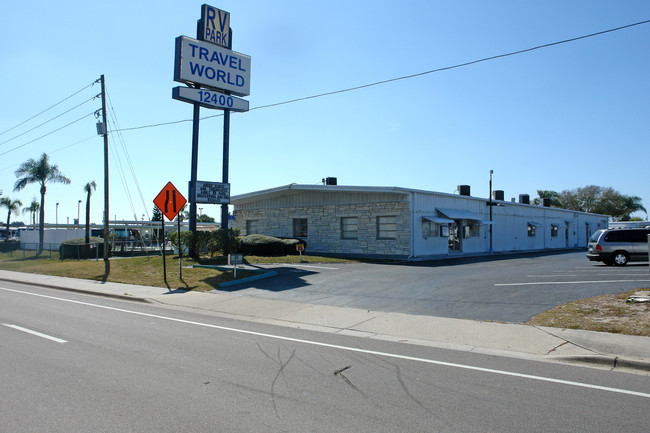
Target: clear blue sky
[(557, 118)]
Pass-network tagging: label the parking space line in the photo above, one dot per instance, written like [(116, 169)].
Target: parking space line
[(310, 266), (532, 283)]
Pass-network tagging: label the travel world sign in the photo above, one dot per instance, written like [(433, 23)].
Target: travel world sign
[(207, 64)]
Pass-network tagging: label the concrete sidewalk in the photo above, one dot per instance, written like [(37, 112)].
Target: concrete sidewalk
[(612, 351)]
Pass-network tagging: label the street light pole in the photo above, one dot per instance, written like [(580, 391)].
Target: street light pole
[(78, 212), (57, 215), (491, 250)]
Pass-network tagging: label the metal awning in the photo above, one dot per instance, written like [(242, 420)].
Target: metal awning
[(459, 214), (535, 224), (438, 220)]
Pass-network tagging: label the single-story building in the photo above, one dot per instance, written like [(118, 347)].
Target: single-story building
[(395, 222)]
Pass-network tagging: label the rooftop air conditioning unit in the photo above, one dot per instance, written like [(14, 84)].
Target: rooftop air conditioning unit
[(463, 190)]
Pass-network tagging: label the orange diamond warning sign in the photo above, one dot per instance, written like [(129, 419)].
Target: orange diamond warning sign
[(170, 201)]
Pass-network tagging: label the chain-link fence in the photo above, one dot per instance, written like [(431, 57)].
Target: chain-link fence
[(93, 250)]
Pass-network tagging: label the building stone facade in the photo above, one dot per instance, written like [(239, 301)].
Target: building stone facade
[(324, 233)]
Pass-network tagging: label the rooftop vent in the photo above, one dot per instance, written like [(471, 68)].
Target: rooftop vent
[(330, 181), (463, 190), (497, 195), (524, 199)]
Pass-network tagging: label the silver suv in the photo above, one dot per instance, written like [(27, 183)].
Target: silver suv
[(619, 246)]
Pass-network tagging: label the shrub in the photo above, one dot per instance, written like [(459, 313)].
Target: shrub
[(224, 240), (208, 242), (262, 245), (77, 248)]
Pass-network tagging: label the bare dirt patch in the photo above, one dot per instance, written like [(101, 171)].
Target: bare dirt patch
[(607, 313)]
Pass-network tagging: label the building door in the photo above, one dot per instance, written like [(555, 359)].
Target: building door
[(566, 235), (454, 237)]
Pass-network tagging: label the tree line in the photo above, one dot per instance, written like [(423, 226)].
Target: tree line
[(594, 199), (41, 172)]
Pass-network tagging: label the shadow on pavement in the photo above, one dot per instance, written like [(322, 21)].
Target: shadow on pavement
[(287, 278)]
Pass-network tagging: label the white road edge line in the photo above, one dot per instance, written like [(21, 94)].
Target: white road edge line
[(532, 283), (348, 348), (38, 334)]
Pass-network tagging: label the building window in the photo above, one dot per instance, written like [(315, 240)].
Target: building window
[(349, 228), (428, 228), (472, 230), (300, 227), (252, 227), (531, 230), (386, 227), (554, 230)]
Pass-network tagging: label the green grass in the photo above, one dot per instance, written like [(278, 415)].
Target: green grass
[(144, 270)]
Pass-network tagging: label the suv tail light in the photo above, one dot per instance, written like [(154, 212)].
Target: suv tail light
[(599, 248)]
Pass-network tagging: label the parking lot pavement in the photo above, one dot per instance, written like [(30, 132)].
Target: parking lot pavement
[(505, 288)]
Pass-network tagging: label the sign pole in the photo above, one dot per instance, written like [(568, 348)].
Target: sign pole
[(194, 169), (226, 156), (163, 249), (180, 251)]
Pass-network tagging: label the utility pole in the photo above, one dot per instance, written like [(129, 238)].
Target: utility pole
[(107, 265)]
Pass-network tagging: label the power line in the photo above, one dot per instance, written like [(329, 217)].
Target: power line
[(47, 121), (49, 133), (128, 160), (36, 115), (406, 77)]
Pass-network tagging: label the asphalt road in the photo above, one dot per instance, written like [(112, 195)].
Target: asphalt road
[(75, 363), (506, 288)]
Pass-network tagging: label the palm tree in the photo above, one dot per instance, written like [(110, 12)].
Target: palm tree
[(32, 209), (89, 187), (631, 204), (41, 172), (12, 206)]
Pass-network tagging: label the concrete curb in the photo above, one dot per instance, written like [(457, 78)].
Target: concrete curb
[(613, 362), (85, 291)]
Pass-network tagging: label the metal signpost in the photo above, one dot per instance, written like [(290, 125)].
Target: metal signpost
[(212, 73), (234, 260), (170, 202)]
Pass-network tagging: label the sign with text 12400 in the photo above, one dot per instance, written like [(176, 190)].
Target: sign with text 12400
[(207, 64), (212, 192), (209, 99)]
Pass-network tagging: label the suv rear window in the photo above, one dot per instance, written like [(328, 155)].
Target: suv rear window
[(639, 235), (596, 235)]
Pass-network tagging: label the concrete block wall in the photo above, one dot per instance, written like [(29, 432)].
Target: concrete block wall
[(324, 227)]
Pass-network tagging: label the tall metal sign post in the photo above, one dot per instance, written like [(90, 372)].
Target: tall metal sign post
[(215, 75)]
